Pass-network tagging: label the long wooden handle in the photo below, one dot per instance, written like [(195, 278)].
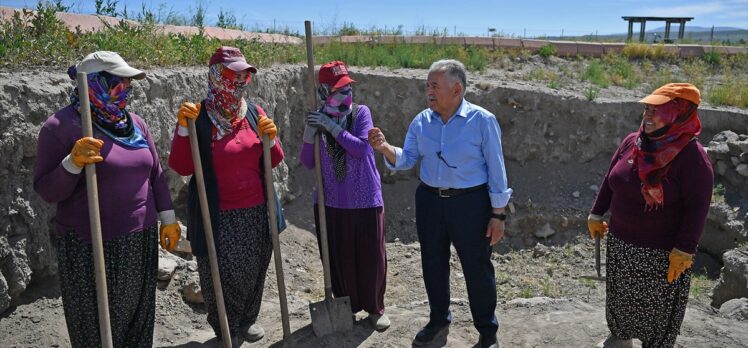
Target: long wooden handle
[(208, 227), (94, 219), (270, 192), (317, 167), (597, 256)]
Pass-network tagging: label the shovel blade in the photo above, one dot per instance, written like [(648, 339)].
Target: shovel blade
[(331, 315)]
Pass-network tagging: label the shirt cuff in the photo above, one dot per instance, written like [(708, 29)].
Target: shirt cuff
[(398, 160), (68, 164), (167, 217), (183, 131), (500, 200), (595, 217)]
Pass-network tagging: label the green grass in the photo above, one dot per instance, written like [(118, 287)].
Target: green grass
[(596, 74), (39, 39), (733, 91), (718, 194)]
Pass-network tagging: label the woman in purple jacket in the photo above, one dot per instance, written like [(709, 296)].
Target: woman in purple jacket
[(353, 194), (133, 194), (658, 190)]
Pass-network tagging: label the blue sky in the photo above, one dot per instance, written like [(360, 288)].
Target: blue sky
[(523, 17)]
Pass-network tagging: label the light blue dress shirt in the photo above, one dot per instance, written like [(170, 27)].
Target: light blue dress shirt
[(464, 152)]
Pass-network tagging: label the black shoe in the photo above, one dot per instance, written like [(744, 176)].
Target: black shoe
[(427, 334), (488, 341)]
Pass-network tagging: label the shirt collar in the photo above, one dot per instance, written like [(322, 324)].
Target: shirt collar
[(461, 111)]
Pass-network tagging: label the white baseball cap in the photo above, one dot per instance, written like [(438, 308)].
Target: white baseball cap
[(110, 62)]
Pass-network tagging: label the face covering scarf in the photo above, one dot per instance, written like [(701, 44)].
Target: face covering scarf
[(108, 99), (654, 152), (225, 102)]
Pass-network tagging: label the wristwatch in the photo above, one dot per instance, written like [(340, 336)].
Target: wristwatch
[(500, 216)]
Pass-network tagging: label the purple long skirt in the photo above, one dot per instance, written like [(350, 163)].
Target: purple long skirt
[(358, 260)]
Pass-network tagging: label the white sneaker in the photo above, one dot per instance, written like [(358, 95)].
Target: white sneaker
[(380, 322), (254, 333), (615, 342)]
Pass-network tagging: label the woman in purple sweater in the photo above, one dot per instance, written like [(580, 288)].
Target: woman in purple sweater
[(133, 194), (658, 190), (353, 194)]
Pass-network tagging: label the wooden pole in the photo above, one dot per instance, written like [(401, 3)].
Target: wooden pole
[(317, 165), (208, 227), (94, 219), (272, 213)]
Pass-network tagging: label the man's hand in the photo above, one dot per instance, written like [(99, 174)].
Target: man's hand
[(495, 230), (376, 139)]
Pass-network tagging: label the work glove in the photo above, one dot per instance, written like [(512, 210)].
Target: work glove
[(87, 150), (321, 121), (679, 262), (309, 133), (597, 226), (170, 235), (266, 126), (187, 110)]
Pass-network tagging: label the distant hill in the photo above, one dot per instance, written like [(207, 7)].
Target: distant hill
[(723, 35), (694, 29)]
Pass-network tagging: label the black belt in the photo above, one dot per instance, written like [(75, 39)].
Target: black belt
[(445, 193)]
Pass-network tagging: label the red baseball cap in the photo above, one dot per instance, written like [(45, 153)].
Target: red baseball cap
[(232, 58), (334, 74)]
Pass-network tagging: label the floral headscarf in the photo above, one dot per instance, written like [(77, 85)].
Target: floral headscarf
[(654, 152), (108, 100), (225, 103)]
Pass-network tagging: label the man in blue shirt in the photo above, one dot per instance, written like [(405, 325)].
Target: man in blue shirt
[(461, 198)]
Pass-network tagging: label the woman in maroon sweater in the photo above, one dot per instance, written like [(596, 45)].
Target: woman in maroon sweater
[(658, 190), (229, 132)]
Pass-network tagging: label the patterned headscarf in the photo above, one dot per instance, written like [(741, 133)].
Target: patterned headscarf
[(108, 99), (338, 103), (225, 102), (654, 152)]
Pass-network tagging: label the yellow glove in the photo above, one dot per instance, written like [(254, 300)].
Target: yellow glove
[(266, 126), (679, 263), (597, 228), (187, 110), (170, 235), (86, 151)]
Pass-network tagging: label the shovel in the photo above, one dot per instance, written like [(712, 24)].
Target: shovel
[(94, 219), (332, 314), (274, 233)]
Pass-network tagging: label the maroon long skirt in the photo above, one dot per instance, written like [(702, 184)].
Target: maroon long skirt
[(358, 260)]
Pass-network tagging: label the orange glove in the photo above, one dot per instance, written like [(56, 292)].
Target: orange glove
[(86, 151), (266, 126), (187, 110), (679, 262), (597, 227), (170, 235)]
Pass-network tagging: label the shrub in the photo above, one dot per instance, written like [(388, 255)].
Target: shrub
[(547, 50)]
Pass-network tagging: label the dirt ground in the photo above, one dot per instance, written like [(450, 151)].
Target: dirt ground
[(548, 297)]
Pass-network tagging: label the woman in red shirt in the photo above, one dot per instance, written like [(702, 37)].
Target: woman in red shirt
[(229, 132)]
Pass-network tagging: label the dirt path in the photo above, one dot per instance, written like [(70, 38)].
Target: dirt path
[(574, 317)]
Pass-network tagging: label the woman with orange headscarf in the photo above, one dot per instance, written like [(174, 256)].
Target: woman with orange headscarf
[(658, 190)]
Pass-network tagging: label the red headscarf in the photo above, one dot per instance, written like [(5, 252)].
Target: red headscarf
[(654, 152)]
